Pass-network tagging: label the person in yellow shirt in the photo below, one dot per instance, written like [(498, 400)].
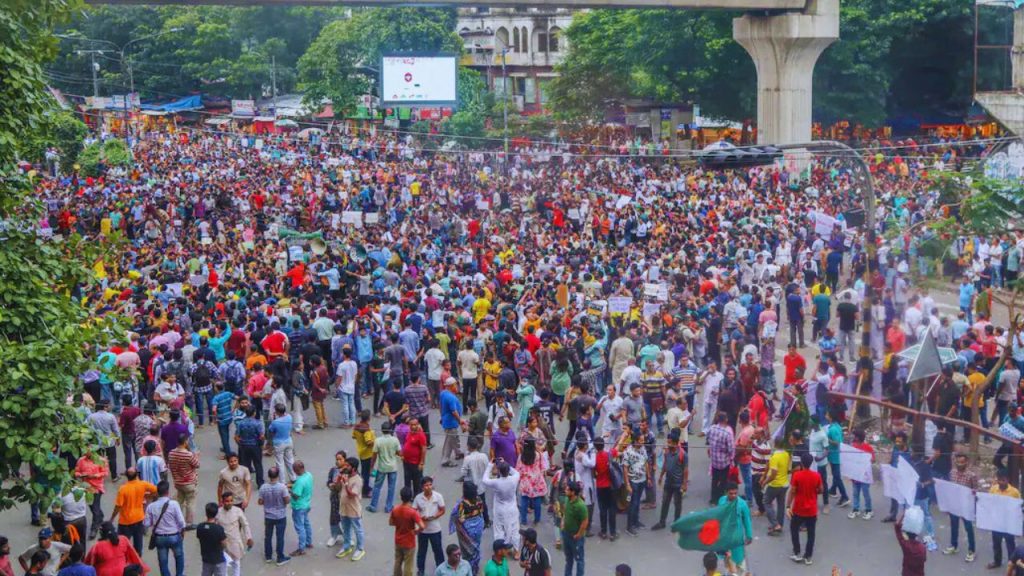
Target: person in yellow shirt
[(481, 307), (776, 483), (1002, 487), (492, 368), (973, 396)]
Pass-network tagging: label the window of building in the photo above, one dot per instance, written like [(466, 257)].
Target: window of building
[(502, 36), (553, 35), (542, 42), (525, 35), (515, 40), (529, 90)]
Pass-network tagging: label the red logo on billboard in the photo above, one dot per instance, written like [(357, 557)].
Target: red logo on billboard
[(408, 76)]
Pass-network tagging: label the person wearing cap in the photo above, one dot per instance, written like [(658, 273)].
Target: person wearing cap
[(501, 481), (57, 551), (498, 564), (533, 557)]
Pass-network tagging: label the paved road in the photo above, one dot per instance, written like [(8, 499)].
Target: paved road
[(865, 548)]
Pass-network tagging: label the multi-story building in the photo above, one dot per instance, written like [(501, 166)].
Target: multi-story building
[(516, 49)]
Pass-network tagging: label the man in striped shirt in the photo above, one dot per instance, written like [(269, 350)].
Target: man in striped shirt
[(686, 374), (184, 466), (760, 452), (417, 396)]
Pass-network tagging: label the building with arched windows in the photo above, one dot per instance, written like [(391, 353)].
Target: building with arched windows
[(515, 49)]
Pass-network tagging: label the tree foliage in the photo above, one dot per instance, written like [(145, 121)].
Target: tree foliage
[(893, 56), (99, 156), (340, 64), (61, 130), (218, 50), (46, 334)]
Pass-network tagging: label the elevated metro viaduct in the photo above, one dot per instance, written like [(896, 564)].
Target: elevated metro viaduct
[(784, 37)]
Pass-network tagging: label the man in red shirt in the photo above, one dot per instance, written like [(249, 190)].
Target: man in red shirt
[(414, 456), (407, 523), (795, 365), (606, 504), (802, 507)]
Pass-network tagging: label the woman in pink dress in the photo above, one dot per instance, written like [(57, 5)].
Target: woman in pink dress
[(533, 486), (112, 552)]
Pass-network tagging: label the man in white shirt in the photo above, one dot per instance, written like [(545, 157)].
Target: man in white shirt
[(430, 505), (609, 409), (434, 358), (347, 374), (632, 374), (679, 416)]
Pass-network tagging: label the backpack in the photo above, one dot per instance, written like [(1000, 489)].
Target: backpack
[(234, 374), (202, 376)]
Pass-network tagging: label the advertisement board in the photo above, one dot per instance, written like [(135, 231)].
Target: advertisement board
[(425, 79)]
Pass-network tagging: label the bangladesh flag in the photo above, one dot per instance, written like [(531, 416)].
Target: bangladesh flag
[(716, 529)]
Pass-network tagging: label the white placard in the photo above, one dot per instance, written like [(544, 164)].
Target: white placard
[(371, 217), (622, 202), (889, 485), (295, 253), (352, 217), (955, 499), (206, 241), (855, 464), (619, 304), (437, 318), (258, 144), (657, 291), (906, 479), (284, 312), (574, 213), (174, 288), (1000, 514), (482, 205), (651, 309)]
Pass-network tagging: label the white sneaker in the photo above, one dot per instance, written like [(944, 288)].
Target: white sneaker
[(853, 515), (796, 558), (867, 515), (332, 541)]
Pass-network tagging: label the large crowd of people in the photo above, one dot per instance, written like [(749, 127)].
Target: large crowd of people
[(548, 324)]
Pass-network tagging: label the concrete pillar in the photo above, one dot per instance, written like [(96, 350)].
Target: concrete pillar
[(1017, 52), (785, 48)]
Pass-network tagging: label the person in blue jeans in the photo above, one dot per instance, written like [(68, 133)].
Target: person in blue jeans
[(274, 498), (575, 522), (301, 497), (164, 518), (224, 409), (835, 439), (861, 489)]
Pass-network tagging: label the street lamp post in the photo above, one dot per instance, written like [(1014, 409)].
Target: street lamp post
[(126, 63), (131, 76), (865, 366)]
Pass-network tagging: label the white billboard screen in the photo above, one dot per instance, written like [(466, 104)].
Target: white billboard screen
[(419, 79)]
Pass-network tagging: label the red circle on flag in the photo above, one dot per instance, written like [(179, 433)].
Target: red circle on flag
[(709, 532)]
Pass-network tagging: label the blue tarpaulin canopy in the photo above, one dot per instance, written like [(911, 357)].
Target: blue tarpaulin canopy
[(183, 105)]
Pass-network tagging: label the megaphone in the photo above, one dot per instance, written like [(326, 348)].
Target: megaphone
[(357, 252), (318, 246)]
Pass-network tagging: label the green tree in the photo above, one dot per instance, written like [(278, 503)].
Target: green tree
[(893, 56), (48, 335), (219, 50), (61, 130), (338, 65), (662, 55)]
